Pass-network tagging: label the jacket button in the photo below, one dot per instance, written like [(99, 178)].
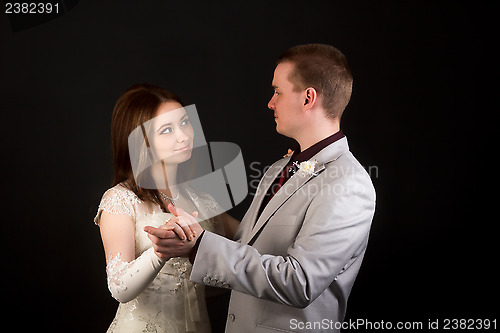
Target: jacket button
[(206, 279), (231, 317)]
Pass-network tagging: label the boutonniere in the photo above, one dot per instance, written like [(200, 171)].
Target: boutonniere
[(290, 153), (306, 167)]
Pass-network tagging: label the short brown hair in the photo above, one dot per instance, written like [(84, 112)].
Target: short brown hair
[(135, 106), (325, 69)]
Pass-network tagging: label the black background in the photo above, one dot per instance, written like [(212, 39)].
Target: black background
[(419, 117)]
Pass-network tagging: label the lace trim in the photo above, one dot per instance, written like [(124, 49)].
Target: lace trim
[(117, 201), (115, 270), (205, 203)]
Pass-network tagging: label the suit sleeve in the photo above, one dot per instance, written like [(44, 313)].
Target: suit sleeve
[(335, 226)]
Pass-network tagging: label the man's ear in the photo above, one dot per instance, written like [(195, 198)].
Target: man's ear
[(310, 97)]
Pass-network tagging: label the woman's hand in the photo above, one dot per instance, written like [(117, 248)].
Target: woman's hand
[(183, 224), (165, 242)]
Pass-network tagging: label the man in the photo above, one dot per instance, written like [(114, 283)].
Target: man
[(299, 247)]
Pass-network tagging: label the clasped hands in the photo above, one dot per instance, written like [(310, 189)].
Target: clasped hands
[(177, 237)]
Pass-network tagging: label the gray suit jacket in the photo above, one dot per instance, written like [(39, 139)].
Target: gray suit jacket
[(297, 263)]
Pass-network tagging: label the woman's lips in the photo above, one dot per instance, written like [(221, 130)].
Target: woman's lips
[(183, 148)]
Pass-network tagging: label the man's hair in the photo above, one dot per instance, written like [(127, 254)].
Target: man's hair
[(325, 69)]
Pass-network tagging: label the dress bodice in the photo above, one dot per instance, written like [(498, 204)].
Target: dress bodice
[(171, 302)]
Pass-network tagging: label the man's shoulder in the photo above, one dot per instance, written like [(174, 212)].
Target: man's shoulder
[(345, 164), (347, 169)]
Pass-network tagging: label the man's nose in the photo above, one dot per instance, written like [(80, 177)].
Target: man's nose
[(271, 103)]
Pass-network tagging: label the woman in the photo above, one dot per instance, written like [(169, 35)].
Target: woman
[(155, 295)]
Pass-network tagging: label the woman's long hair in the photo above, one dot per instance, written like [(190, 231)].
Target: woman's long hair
[(134, 107)]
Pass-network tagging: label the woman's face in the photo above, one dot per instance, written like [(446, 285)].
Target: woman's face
[(172, 133)]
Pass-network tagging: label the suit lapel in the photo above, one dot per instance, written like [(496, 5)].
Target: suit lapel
[(260, 194), (284, 193), (325, 156)]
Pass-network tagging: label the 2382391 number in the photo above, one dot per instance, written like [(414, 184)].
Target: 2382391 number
[(469, 324), (31, 8)]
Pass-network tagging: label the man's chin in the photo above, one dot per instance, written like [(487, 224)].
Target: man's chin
[(285, 133), (281, 131)]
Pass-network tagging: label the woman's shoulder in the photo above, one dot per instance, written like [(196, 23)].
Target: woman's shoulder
[(121, 192), (118, 199)]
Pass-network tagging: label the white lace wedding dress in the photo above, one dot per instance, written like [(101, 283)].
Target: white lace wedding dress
[(171, 302)]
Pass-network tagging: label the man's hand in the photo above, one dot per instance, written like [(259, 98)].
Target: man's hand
[(170, 240)]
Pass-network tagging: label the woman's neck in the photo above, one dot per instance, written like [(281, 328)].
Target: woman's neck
[(165, 178)]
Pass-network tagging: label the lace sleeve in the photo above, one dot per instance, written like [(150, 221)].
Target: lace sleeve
[(117, 200), (126, 280)]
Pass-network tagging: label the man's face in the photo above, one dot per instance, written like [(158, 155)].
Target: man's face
[(286, 103)]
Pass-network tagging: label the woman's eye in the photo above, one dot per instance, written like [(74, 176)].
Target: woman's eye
[(185, 122), (166, 130)]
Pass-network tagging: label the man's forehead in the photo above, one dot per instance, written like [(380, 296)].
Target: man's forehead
[(281, 73)]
